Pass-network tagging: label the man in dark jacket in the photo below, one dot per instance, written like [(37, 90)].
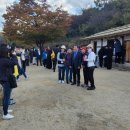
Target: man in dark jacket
[(54, 61), (76, 65), (39, 56), (100, 55), (85, 66), (68, 66)]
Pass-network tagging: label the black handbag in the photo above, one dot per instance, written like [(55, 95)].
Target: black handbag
[(12, 81)]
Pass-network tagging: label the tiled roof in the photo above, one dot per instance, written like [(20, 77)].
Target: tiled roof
[(123, 30)]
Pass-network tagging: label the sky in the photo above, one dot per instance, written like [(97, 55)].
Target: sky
[(72, 6)]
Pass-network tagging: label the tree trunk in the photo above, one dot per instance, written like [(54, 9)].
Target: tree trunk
[(40, 43)]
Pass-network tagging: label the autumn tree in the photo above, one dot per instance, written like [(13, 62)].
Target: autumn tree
[(35, 22)]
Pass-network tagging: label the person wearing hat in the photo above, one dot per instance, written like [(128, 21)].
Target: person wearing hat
[(61, 64), (76, 65), (91, 66), (68, 66), (84, 65)]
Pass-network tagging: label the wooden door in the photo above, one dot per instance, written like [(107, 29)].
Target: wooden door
[(128, 51)]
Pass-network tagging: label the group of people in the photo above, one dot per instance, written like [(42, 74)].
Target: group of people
[(11, 64), (70, 63), (44, 56), (106, 54)]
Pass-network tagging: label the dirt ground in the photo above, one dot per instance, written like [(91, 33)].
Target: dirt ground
[(43, 104)]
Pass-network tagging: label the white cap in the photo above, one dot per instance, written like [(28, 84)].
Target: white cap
[(63, 47), (90, 46)]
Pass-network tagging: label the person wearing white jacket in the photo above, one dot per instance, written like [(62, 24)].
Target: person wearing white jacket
[(91, 66)]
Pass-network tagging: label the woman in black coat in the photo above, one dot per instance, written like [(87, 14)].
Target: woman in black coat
[(49, 61), (6, 68)]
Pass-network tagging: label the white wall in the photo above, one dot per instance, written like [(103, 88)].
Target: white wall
[(104, 42), (127, 38)]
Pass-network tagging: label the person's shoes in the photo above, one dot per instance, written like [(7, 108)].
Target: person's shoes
[(12, 102), (78, 84), (9, 111), (18, 79), (91, 88), (26, 78), (83, 85), (8, 117), (67, 82), (62, 81), (73, 83), (70, 81), (59, 81)]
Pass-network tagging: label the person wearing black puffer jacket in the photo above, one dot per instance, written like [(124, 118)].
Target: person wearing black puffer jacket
[(6, 69)]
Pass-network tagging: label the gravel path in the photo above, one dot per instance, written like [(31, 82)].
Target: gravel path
[(43, 104)]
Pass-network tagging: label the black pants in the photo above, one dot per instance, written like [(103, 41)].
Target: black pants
[(44, 62), (54, 62), (90, 75), (24, 65), (76, 75), (118, 57), (39, 60), (85, 73), (109, 63), (101, 61), (27, 62)]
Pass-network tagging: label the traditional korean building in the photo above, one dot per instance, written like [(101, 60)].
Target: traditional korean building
[(107, 38)]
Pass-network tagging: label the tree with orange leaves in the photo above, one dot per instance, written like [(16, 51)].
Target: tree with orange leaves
[(37, 22)]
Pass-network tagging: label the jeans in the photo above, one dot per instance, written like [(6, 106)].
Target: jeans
[(61, 73), (68, 74), (22, 72), (6, 98)]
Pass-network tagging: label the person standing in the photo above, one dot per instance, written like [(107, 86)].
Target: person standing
[(44, 57), (49, 62), (91, 66), (117, 46), (38, 57), (68, 67), (85, 66), (6, 67), (100, 55), (27, 57), (76, 65), (54, 61), (34, 56), (31, 55), (61, 64), (109, 54), (23, 59)]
